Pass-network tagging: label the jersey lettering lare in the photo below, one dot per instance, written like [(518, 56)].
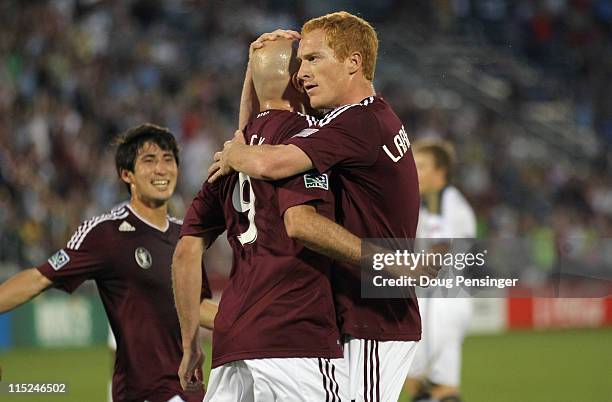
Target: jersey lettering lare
[(367, 148)]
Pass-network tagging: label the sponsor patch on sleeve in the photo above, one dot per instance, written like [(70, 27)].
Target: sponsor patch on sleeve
[(58, 260), (312, 180), (306, 132)]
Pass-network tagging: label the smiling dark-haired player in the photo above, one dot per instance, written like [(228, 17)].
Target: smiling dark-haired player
[(128, 253)]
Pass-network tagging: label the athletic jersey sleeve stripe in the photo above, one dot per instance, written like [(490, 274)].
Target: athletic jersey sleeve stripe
[(85, 230), (84, 233), (82, 229), (337, 112), (86, 227), (76, 234), (332, 115)]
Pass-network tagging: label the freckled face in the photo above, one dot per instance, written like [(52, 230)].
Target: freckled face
[(325, 77)]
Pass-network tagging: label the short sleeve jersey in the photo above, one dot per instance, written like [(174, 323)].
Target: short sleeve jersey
[(368, 150), (130, 261), (278, 302)]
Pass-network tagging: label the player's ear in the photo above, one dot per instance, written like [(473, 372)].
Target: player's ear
[(297, 83), (125, 176), (353, 62)]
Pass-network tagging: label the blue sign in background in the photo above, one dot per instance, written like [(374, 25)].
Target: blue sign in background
[(5, 331)]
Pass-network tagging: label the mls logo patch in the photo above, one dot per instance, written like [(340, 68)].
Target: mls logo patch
[(306, 132), (312, 180), (143, 258), (58, 260)]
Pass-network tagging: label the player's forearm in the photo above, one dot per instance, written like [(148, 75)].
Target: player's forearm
[(208, 311), (267, 162), (249, 105), (187, 285), (22, 288), (322, 235)]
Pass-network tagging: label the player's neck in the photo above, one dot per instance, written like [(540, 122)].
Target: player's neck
[(432, 197), (438, 185), (154, 213), (432, 201), (360, 90), (276, 104)]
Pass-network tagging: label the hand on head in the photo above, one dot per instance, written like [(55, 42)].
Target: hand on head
[(272, 36)]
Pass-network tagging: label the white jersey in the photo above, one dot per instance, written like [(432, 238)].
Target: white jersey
[(455, 219), (444, 320)]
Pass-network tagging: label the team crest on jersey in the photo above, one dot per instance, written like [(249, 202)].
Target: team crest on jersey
[(58, 260), (307, 132), (312, 180), (143, 258)]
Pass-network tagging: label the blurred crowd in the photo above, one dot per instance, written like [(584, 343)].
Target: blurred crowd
[(75, 73), (520, 186), (569, 39)]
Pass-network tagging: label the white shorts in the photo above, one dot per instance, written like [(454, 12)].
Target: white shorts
[(112, 345), (377, 369), (111, 341), (444, 322), (279, 379)]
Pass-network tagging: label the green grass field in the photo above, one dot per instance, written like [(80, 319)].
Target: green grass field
[(560, 366)]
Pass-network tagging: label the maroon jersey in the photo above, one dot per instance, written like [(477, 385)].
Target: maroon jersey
[(369, 151), (278, 302), (130, 260)]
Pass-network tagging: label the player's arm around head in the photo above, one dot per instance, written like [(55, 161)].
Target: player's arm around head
[(338, 59), (264, 162), (22, 288), (270, 83)]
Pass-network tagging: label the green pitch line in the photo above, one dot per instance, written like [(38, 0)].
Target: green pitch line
[(86, 372), (559, 366), (551, 366)]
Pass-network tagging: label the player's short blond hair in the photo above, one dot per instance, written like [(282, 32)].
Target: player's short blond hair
[(346, 33), (442, 151)]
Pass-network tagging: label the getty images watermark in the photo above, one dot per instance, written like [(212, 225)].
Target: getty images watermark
[(420, 262), (397, 268)]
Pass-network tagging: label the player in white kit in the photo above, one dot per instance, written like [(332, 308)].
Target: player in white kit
[(445, 214)]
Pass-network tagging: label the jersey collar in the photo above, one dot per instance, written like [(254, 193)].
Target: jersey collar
[(143, 220)]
